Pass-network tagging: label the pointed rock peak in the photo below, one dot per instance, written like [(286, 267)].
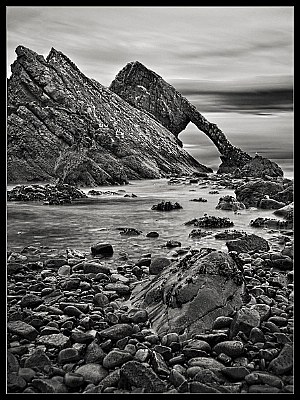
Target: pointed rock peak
[(24, 51), (53, 53), (135, 68), (56, 55)]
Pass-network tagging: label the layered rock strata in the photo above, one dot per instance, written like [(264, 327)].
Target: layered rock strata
[(64, 126)]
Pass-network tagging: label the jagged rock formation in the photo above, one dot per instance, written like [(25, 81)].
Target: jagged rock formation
[(252, 193), (188, 295), (63, 125), (147, 91)]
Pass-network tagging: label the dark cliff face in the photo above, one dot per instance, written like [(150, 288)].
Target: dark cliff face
[(64, 126), (147, 91)]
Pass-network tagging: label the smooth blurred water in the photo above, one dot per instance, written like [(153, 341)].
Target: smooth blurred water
[(97, 219)]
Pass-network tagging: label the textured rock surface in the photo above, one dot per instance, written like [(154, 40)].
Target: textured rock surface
[(63, 125), (190, 294), (248, 243), (147, 91), (252, 192), (229, 203)]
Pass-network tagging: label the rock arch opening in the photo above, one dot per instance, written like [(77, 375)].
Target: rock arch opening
[(199, 146)]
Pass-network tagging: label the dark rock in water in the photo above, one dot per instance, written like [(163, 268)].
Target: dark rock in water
[(152, 234), (147, 91), (213, 192), (49, 194), (103, 249), (63, 125), (286, 195), (261, 222), (95, 192), (251, 193), (248, 243), (129, 231), (229, 203), (166, 206), (173, 243), (270, 204), (189, 294), (211, 222), (200, 200), (230, 234), (286, 212), (199, 233)]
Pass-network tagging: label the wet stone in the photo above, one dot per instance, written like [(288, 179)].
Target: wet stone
[(116, 358), (263, 389), (22, 329), (235, 373), (283, 363), (117, 331), (158, 264), (205, 362), (199, 387), (73, 380), (92, 372), (94, 353), (58, 340), (68, 355), (138, 375), (12, 362), (83, 337), (49, 386), (27, 373), (244, 320), (233, 348), (264, 311), (15, 383), (30, 301), (176, 378), (37, 360), (222, 322)]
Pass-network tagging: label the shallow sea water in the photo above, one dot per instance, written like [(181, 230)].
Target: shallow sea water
[(97, 219)]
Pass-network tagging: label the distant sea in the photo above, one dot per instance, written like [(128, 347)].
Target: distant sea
[(271, 135)]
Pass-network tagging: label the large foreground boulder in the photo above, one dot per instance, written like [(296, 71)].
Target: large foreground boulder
[(191, 293)]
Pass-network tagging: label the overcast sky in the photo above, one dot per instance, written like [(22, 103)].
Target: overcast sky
[(210, 50)]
